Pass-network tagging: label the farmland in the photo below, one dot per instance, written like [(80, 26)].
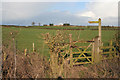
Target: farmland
[(26, 36), (29, 65), (60, 40)]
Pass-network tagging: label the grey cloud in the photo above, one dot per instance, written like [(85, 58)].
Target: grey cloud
[(61, 17), (110, 21), (23, 10), (53, 17), (25, 13)]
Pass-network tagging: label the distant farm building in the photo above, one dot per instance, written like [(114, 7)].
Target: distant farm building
[(45, 25)]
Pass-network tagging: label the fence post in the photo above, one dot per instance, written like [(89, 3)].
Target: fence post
[(71, 55), (93, 47), (110, 50), (25, 52), (96, 50), (14, 56), (33, 47)]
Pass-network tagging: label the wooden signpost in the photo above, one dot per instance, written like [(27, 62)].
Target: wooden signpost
[(97, 43), (99, 22)]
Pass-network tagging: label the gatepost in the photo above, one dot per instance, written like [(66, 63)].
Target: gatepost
[(96, 50)]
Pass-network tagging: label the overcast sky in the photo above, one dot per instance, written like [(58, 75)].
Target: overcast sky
[(77, 12)]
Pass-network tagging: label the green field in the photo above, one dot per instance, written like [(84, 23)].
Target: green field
[(26, 36)]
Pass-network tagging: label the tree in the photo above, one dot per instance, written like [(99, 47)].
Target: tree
[(66, 24), (33, 23), (51, 24)]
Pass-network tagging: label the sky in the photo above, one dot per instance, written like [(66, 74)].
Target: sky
[(58, 12)]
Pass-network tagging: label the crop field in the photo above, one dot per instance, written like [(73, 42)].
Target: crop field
[(25, 37)]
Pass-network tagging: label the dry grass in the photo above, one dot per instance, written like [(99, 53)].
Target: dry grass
[(35, 66), (30, 66)]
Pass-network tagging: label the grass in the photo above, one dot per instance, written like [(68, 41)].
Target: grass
[(26, 36)]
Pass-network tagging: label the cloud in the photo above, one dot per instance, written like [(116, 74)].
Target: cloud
[(105, 0), (26, 12), (104, 9), (86, 14), (110, 21), (53, 17), (107, 11), (101, 9), (59, 0), (44, 0), (22, 10)]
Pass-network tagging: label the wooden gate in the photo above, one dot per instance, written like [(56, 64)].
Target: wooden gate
[(93, 52), (82, 54), (88, 53)]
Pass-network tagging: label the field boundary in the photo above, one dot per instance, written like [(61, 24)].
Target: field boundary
[(94, 52), (51, 28)]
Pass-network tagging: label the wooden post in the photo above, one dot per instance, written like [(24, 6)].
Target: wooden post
[(14, 56), (33, 47), (110, 50), (99, 20), (71, 55), (4, 56), (93, 47), (25, 51), (96, 50)]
